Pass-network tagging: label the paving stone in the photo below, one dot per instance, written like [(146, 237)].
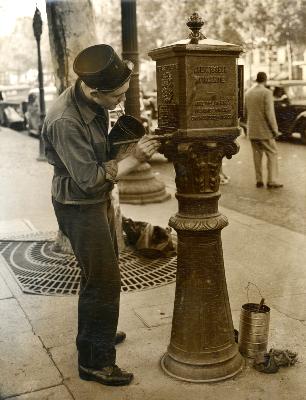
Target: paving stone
[(66, 359), (13, 319), (56, 331), (293, 306), (54, 393), (21, 226), (25, 366), (155, 315), (4, 290), (48, 307)]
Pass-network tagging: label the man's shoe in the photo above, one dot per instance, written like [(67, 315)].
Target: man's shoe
[(274, 185), (111, 376), (120, 337), (259, 184)]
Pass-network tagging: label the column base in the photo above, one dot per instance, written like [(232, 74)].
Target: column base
[(202, 373), (142, 187), (41, 158)]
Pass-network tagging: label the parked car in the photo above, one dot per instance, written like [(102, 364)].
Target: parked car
[(290, 108), (12, 103), (32, 112)]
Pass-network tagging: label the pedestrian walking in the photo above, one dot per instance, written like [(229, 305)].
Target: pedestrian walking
[(262, 130), (75, 134)]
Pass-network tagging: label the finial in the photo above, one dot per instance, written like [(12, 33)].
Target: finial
[(37, 24), (195, 24)]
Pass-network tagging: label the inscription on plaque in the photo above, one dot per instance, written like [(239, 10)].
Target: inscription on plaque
[(213, 109), (167, 110), (168, 115), (214, 98), (210, 74)]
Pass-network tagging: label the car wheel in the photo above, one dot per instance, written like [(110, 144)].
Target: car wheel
[(303, 135)]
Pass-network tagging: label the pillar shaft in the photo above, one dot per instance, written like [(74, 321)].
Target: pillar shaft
[(202, 346)]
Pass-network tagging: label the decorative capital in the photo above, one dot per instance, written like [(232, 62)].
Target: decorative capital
[(195, 24)]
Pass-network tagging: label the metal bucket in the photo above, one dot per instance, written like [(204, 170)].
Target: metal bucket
[(253, 329)]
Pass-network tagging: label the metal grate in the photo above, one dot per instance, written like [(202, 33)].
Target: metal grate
[(39, 270)]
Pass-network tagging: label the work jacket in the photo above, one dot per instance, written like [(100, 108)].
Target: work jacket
[(76, 144)]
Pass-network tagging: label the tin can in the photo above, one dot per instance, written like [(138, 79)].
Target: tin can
[(253, 329)]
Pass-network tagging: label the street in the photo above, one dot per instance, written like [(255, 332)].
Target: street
[(285, 207)]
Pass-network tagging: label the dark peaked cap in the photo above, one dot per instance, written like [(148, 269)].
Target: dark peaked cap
[(100, 67)]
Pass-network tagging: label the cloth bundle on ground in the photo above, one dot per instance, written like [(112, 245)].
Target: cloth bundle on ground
[(149, 240), (269, 363)]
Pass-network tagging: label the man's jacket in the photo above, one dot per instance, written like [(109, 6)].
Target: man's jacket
[(76, 144), (261, 121)]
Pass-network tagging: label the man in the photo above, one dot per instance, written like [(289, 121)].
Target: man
[(262, 130), (76, 144)]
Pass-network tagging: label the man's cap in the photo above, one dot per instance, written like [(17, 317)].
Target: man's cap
[(100, 67), (261, 77)]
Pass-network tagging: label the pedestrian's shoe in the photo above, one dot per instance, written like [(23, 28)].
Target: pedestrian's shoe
[(111, 376), (224, 180), (274, 185), (259, 184), (120, 337)]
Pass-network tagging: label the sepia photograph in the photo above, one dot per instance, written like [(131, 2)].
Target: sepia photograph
[(152, 200)]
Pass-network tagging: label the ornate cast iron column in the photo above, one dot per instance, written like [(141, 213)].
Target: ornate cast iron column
[(37, 29), (141, 186), (197, 95)]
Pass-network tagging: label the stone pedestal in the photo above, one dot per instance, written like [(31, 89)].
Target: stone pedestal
[(142, 187)]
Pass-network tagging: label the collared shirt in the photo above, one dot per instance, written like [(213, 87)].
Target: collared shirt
[(76, 144)]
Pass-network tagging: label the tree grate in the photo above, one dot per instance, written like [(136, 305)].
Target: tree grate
[(40, 270)]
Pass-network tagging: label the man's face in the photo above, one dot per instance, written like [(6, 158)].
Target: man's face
[(110, 100)]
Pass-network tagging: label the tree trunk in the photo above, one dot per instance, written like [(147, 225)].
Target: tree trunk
[(71, 29)]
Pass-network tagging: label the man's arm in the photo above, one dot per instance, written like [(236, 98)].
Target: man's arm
[(76, 153), (270, 113), (143, 151)]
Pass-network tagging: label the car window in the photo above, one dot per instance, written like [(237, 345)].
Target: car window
[(296, 92)]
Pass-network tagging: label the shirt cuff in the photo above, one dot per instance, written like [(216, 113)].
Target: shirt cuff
[(111, 169)]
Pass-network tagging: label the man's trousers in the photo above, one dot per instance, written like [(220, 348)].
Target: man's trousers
[(268, 147), (91, 231)]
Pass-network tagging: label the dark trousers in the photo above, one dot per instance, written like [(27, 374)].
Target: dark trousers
[(91, 231)]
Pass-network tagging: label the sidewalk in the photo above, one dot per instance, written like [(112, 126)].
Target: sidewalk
[(38, 357)]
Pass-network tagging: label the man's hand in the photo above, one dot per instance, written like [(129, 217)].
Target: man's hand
[(143, 151), (276, 134), (146, 147)]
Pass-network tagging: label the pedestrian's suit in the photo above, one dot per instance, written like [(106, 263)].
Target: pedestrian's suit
[(262, 129)]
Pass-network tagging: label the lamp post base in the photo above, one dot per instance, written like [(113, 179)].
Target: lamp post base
[(202, 373), (41, 158), (142, 187)]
